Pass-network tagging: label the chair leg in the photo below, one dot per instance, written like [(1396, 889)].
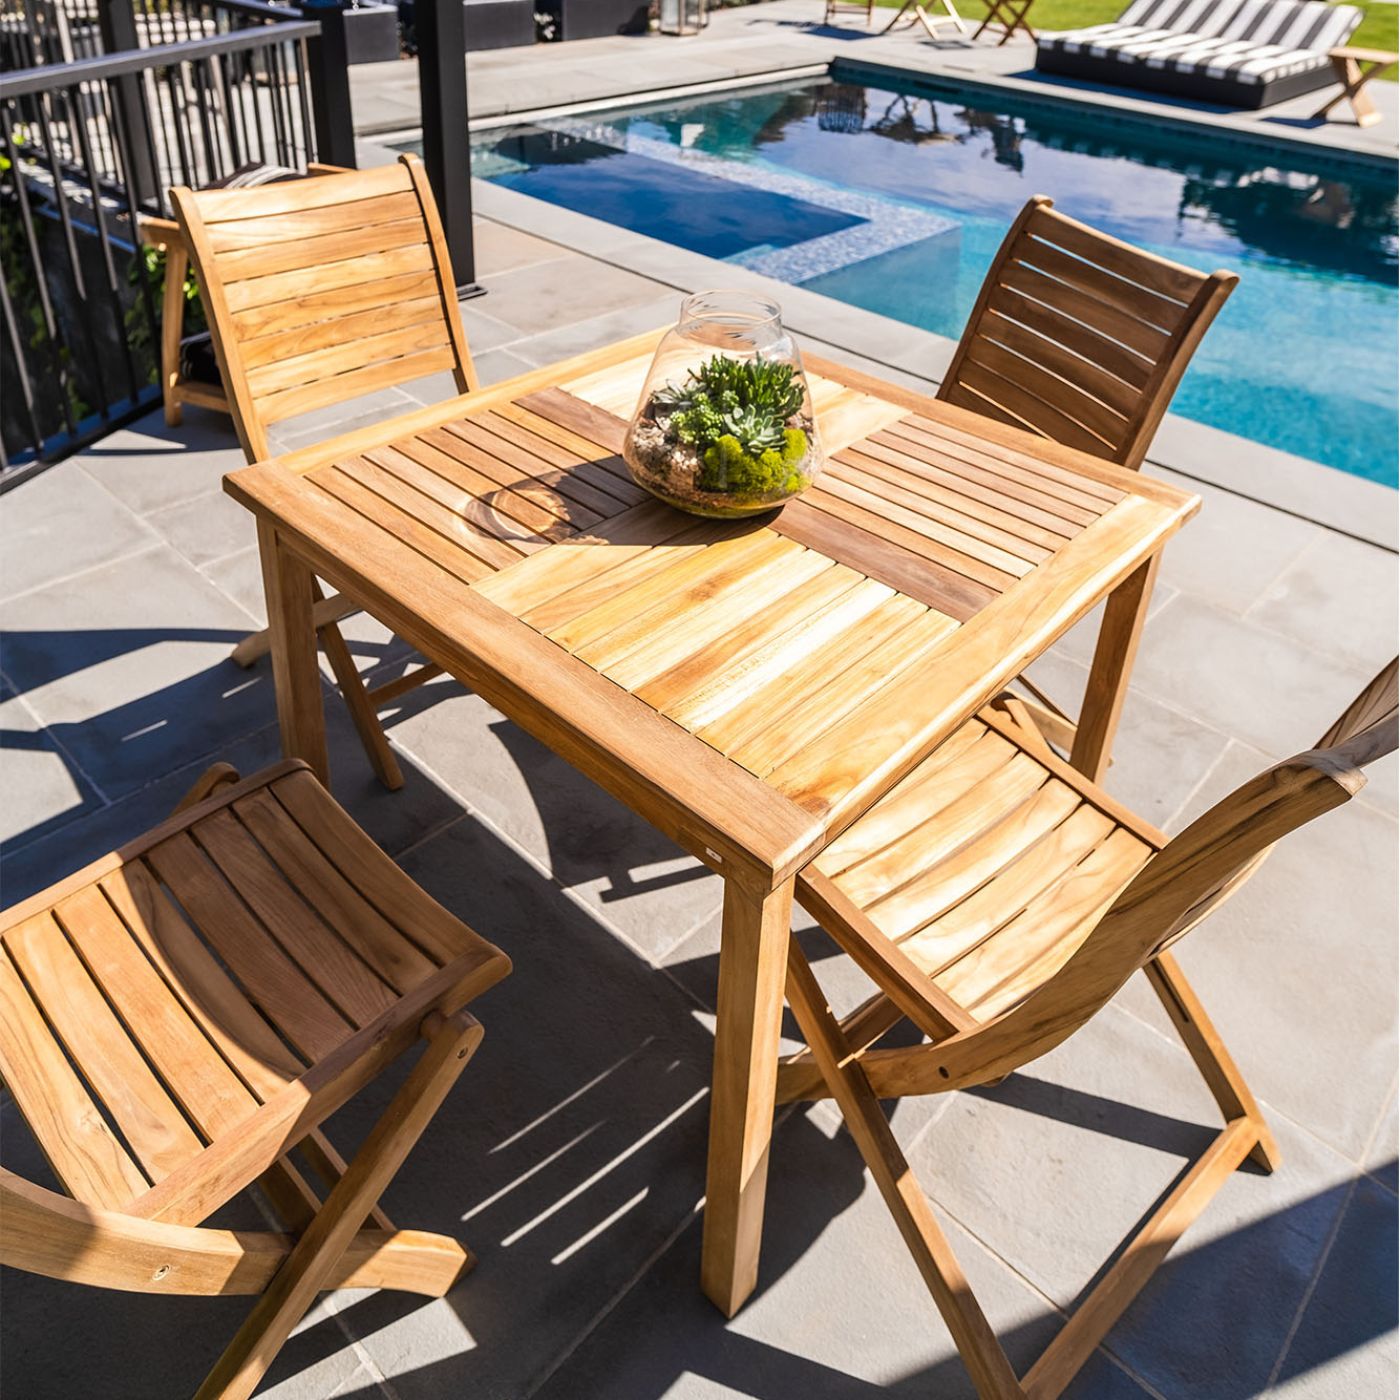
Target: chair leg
[(1062, 1360), (330, 1166), (257, 644), (451, 1042), (357, 701), (981, 1352), (361, 703), (294, 1197), (1201, 1039), (172, 326), (1245, 1134), (1052, 722)]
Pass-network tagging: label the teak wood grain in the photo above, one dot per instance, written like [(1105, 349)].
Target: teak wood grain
[(749, 687), (317, 291), (184, 1012), (1082, 339), (998, 899)]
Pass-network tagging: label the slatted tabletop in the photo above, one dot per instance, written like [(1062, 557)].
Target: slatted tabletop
[(778, 642), (749, 687)]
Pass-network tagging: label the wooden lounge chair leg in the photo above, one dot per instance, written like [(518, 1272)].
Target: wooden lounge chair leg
[(357, 701), (981, 1352), (895, 20), (257, 644), (451, 1042), (1201, 1039)]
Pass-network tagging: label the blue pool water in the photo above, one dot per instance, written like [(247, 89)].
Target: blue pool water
[(896, 202)]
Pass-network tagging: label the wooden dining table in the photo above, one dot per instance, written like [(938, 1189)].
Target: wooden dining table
[(748, 687)]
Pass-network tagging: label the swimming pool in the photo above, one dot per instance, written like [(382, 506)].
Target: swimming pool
[(896, 201)]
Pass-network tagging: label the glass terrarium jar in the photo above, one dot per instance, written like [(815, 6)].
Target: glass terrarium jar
[(724, 425)]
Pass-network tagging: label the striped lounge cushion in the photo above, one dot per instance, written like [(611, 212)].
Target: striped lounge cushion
[(1251, 41)]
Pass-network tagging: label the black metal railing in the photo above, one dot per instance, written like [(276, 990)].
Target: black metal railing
[(88, 146), (34, 32)]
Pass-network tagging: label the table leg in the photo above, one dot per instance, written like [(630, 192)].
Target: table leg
[(289, 588), (752, 973), (1107, 688)]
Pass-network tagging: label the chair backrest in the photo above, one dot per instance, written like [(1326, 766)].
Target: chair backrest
[(324, 289), (1079, 337), (1191, 876), (1291, 24)]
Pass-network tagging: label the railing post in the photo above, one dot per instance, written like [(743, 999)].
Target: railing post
[(117, 22), (442, 86), (329, 74)]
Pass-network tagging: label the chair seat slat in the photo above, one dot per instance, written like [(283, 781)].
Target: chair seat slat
[(193, 1071), (307, 869), (324, 958), (261, 1058), (269, 978), (1032, 947), (100, 1046), (418, 917), (85, 1154)]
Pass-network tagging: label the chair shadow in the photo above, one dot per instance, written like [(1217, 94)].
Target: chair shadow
[(579, 1133), (1097, 1114), (702, 1346), (571, 1157)]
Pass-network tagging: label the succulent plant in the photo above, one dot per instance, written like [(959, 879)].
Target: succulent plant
[(748, 401)]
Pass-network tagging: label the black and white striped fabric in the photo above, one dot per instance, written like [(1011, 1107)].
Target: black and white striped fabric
[(1246, 41)]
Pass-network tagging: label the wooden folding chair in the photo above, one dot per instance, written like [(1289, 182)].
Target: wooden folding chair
[(999, 899), (177, 387), (835, 9), (1010, 15), (1081, 338), (913, 12), (316, 292), (180, 1016)]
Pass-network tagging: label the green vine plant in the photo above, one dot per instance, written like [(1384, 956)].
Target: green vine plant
[(149, 265)]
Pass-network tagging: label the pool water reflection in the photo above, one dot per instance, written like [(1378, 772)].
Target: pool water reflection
[(896, 202)]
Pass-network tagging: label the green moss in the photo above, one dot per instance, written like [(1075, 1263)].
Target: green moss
[(728, 468)]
